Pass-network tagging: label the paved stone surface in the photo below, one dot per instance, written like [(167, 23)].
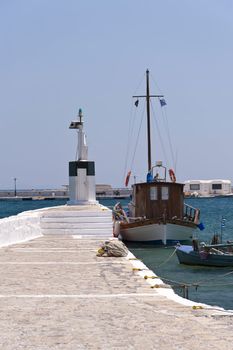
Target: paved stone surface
[(55, 293)]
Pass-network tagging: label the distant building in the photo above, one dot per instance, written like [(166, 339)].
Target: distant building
[(207, 188)]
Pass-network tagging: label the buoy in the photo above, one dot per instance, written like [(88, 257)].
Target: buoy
[(127, 178), (172, 175)]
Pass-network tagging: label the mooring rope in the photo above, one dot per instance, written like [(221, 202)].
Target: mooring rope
[(202, 283), (169, 258), (214, 278)]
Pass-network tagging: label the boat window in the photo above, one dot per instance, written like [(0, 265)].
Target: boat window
[(216, 186), (164, 192), (153, 194), (195, 187)]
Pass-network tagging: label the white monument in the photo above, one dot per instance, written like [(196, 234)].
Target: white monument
[(81, 171)]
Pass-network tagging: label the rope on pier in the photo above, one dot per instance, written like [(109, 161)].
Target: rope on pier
[(113, 248)]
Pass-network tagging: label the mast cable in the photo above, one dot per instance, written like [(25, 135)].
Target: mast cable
[(164, 114), (142, 79), (156, 84), (131, 128), (165, 119), (136, 144), (130, 132), (159, 134)]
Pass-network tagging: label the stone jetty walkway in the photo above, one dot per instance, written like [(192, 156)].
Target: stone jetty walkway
[(55, 293)]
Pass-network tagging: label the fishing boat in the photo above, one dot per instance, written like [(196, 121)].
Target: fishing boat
[(219, 255), (157, 212)]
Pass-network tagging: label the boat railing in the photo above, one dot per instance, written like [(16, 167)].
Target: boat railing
[(158, 173), (191, 213)]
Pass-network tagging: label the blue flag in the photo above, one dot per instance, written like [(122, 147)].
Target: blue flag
[(162, 102)]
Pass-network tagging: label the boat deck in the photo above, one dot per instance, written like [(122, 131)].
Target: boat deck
[(55, 293)]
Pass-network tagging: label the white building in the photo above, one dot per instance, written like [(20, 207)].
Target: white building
[(208, 188)]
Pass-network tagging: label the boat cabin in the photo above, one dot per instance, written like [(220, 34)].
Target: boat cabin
[(157, 200)]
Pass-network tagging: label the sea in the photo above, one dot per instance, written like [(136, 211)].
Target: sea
[(209, 285)]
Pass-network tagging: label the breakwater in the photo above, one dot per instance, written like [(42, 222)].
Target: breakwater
[(51, 194)]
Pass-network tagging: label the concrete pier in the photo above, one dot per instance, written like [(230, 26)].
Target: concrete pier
[(55, 293)]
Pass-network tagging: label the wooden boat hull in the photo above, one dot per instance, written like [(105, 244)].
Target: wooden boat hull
[(156, 233), (186, 255)]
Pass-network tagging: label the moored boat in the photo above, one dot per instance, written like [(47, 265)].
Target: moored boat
[(157, 212), (219, 255)]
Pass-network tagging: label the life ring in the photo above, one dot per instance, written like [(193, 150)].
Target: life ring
[(172, 175)]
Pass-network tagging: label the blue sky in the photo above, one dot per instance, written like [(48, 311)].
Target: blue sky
[(58, 56)]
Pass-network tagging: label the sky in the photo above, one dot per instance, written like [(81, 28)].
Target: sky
[(61, 55)]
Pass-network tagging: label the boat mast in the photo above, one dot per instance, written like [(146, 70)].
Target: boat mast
[(148, 96), (148, 119)]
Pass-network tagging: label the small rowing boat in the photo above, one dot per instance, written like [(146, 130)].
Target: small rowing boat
[(220, 255)]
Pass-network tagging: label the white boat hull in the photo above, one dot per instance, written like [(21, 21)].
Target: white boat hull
[(158, 233)]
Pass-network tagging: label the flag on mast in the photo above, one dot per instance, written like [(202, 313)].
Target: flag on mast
[(136, 102), (162, 102)]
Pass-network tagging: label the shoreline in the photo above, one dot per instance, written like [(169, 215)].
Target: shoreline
[(165, 289)]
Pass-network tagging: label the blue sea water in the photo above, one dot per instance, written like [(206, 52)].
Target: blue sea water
[(210, 285), (14, 207)]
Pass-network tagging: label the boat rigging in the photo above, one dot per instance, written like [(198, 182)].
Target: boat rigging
[(148, 96)]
